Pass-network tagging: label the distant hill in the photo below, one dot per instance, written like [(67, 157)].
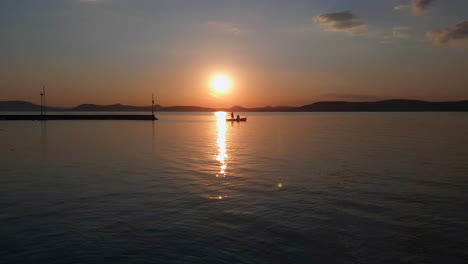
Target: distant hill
[(20, 106), (395, 105), (129, 108), (109, 108), (185, 109), (262, 109)]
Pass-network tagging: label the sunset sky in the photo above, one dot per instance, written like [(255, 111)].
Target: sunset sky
[(274, 52)]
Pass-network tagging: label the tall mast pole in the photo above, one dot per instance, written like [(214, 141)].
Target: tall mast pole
[(42, 100), (43, 91), (152, 104)]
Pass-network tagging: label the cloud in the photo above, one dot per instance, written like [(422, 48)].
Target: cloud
[(418, 6), (395, 33), (444, 36), (401, 32), (421, 6), (401, 7), (223, 27), (340, 21)]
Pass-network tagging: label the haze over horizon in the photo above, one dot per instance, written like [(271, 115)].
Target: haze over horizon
[(274, 52), (21, 105)]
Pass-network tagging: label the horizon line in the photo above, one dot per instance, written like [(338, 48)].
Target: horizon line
[(235, 106)]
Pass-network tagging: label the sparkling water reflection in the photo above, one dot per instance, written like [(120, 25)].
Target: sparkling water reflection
[(291, 188), (222, 156)]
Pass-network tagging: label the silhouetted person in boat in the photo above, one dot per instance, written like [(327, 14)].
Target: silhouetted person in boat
[(238, 117), (232, 115)]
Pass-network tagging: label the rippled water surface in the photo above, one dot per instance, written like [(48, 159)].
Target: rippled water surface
[(279, 188)]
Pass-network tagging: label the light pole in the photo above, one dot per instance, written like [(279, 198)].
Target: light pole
[(42, 96), (43, 92)]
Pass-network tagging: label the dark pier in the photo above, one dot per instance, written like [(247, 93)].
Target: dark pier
[(77, 117)]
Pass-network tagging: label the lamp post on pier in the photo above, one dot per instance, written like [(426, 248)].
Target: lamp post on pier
[(42, 99), (152, 105), (44, 104)]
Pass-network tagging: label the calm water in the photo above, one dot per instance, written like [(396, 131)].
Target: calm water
[(280, 188)]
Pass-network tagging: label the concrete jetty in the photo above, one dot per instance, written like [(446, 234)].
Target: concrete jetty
[(76, 117)]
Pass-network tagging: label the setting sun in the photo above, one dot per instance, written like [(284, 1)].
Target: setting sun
[(221, 83)]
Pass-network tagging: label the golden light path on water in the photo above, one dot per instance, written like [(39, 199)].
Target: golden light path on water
[(221, 156)]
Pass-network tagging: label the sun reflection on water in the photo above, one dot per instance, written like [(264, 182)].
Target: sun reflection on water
[(221, 156)]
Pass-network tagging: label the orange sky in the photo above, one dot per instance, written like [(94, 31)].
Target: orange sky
[(281, 53)]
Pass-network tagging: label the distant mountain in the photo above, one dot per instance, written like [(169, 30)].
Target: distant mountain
[(20, 106), (129, 108), (185, 109), (109, 108), (261, 109), (396, 105)]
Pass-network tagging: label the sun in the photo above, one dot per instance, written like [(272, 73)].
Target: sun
[(221, 83)]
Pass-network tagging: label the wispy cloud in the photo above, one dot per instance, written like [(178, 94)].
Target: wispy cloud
[(418, 6), (401, 32), (390, 35), (224, 27), (341, 21), (444, 36), (401, 7), (421, 6)]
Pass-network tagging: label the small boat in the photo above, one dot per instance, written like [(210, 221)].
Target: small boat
[(237, 119)]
